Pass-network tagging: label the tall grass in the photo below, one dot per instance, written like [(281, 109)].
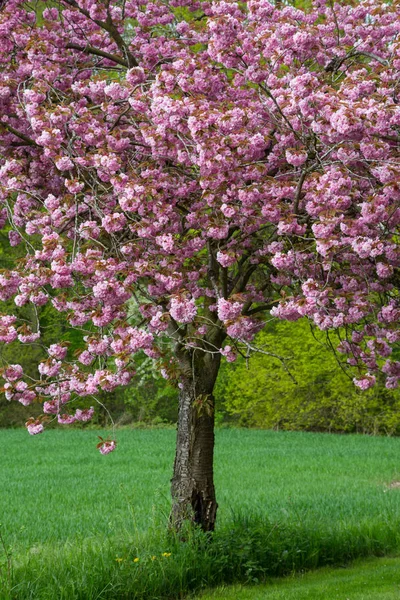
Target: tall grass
[(288, 502)]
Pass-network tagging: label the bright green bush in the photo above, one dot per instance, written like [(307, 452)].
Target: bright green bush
[(317, 394)]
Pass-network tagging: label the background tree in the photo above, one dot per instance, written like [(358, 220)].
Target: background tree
[(318, 395), (210, 162)]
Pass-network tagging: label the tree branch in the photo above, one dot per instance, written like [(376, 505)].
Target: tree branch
[(281, 358), (244, 279), (298, 191), (112, 30), (98, 52), (29, 141), (213, 269), (383, 61), (224, 281), (336, 62), (258, 309)]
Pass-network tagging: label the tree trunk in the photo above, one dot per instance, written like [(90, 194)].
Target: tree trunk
[(192, 488)]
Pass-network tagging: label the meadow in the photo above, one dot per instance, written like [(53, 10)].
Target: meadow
[(371, 579), (81, 526)]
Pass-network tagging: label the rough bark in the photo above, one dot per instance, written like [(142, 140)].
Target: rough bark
[(192, 488)]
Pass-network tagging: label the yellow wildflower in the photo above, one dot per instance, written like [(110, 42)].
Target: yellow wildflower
[(166, 554), (136, 559), (119, 559)]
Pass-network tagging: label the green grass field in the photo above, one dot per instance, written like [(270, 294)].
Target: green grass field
[(288, 502), (373, 579)]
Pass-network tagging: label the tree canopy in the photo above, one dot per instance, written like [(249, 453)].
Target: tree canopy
[(210, 168)]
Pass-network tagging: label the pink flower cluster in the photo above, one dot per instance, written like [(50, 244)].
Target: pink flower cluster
[(228, 310), (34, 426), (183, 310), (107, 446)]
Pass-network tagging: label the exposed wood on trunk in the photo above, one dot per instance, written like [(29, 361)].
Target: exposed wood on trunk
[(192, 487)]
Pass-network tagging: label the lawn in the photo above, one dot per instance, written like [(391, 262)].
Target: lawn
[(76, 520), (374, 579)]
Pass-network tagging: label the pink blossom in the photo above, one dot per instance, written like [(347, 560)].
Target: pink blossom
[(74, 186), (392, 382), (51, 14), (296, 157), (139, 339), (50, 367), (64, 163), (58, 351), (288, 311), (84, 415), (365, 382), (8, 334), (183, 310), (40, 299), (228, 310), (26, 397), (34, 427), (227, 210), (21, 299), (50, 407), (89, 229), (86, 358), (383, 270), (166, 242), (107, 446), (116, 91), (14, 238), (243, 328), (99, 347), (21, 386), (13, 372), (158, 322), (66, 419), (218, 233), (225, 259), (229, 353), (114, 222), (135, 75), (29, 337)]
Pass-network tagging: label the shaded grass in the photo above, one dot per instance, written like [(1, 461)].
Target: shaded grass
[(288, 502), (374, 579)]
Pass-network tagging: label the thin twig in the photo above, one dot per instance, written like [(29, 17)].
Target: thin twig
[(266, 353)]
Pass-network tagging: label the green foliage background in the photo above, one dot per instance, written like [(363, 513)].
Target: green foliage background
[(261, 393)]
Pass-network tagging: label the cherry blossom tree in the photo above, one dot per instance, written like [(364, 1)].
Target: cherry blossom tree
[(176, 173)]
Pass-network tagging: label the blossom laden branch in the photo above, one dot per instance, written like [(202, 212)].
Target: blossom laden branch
[(98, 52), (19, 134), (108, 26)]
